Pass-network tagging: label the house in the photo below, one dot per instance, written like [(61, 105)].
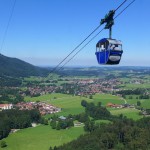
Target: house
[(78, 124), (62, 118), (114, 105), (6, 106)]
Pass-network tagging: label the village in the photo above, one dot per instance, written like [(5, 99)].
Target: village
[(43, 108), (78, 87)]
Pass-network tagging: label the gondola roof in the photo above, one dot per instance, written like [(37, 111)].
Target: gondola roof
[(110, 41)]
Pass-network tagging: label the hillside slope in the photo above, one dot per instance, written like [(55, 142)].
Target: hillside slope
[(17, 68)]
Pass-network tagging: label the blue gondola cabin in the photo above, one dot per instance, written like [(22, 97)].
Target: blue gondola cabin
[(109, 51)]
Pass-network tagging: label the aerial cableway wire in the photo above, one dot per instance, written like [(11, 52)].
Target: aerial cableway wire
[(6, 30), (54, 69), (125, 8), (95, 36), (120, 5), (75, 49), (81, 49)]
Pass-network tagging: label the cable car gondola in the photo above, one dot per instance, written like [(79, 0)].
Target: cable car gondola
[(109, 51)]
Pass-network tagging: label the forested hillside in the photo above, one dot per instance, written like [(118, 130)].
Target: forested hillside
[(17, 68), (123, 134)]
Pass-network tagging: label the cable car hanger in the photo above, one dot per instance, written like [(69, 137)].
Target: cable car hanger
[(108, 50)]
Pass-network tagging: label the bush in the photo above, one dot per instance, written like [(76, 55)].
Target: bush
[(3, 144)]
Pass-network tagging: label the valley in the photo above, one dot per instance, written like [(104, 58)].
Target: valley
[(122, 91)]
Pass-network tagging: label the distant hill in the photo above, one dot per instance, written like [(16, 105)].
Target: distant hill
[(17, 68)]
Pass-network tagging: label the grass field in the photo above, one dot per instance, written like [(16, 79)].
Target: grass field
[(69, 104), (145, 103), (133, 86), (107, 98), (103, 121), (46, 97), (129, 82), (72, 104), (128, 112), (41, 138)]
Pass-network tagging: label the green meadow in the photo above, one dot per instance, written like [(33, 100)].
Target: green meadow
[(69, 104), (128, 112), (46, 97), (107, 98), (145, 103), (103, 121), (72, 104), (41, 138), (128, 82), (133, 86)]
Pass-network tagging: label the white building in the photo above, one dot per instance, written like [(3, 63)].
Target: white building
[(6, 106)]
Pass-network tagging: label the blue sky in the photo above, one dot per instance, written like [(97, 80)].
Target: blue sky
[(43, 32)]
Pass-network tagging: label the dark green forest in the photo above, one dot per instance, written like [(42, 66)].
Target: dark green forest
[(17, 119), (138, 91), (10, 95), (120, 134)]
